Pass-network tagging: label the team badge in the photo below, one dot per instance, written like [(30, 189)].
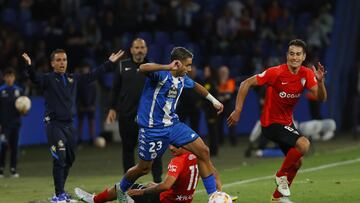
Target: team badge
[(17, 93), (303, 81), (70, 80), (172, 93)]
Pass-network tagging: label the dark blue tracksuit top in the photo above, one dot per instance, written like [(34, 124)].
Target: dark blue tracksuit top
[(60, 92), (9, 115)]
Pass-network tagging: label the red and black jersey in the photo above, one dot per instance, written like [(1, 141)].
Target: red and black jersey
[(283, 92)]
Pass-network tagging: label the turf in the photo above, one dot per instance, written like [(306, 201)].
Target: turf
[(248, 178)]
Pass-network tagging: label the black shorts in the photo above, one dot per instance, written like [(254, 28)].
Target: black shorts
[(285, 136)]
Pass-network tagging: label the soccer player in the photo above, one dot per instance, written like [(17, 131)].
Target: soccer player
[(178, 186), (124, 103), (159, 124), (59, 94), (285, 84), (10, 121)]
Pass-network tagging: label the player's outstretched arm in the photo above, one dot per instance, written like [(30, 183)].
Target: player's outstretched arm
[(37, 78), (241, 95), (203, 92), (151, 67), (103, 68), (155, 188)]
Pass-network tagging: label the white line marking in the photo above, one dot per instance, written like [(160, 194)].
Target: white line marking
[(318, 168)]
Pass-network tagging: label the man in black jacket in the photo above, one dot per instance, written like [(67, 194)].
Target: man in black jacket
[(126, 92), (59, 94)]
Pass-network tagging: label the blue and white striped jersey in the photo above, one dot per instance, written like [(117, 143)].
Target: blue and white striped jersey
[(159, 99)]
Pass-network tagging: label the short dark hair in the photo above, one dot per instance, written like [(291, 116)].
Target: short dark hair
[(56, 51), (298, 43), (180, 53), (9, 71)]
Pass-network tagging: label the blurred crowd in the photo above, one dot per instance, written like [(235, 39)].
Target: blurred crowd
[(245, 35), (230, 39)]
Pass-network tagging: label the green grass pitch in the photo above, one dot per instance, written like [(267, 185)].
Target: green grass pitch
[(330, 174)]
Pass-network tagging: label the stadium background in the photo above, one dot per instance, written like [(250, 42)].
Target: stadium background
[(245, 35)]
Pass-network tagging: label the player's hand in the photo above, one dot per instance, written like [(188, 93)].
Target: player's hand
[(320, 72), (233, 118), (135, 192), (218, 106), (175, 64), (26, 59), (116, 56), (111, 117)]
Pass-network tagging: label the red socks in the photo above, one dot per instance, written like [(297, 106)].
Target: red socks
[(102, 197), (291, 158), (289, 167)]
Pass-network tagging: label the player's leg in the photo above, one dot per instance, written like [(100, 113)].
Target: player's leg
[(183, 136), (152, 144), (13, 143), (129, 136), (80, 126), (70, 155), (157, 169), (91, 123), (3, 149), (294, 147), (57, 140)]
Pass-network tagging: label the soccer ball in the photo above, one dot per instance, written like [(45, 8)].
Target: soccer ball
[(220, 197), (23, 104), (100, 142)]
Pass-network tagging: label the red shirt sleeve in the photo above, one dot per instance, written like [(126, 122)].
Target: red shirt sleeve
[(310, 79), (267, 77), (175, 166)]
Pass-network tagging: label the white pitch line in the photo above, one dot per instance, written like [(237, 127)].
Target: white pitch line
[(317, 168)]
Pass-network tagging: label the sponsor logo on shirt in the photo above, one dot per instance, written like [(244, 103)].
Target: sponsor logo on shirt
[(127, 68), (183, 197), (303, 81), (172, 93), (172, 168), (286, 95)]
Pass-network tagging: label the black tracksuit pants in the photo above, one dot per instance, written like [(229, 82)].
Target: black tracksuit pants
[(12, 138), (62, 141)]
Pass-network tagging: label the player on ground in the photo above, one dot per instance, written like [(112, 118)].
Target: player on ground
[(160, 126), (59, 94), (178, 186), (285, 84)]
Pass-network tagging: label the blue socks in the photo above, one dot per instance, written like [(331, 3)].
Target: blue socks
[(210, 184), (125, 184)]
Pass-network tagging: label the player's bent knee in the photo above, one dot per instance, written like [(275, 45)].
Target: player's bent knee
[(303, 145)]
